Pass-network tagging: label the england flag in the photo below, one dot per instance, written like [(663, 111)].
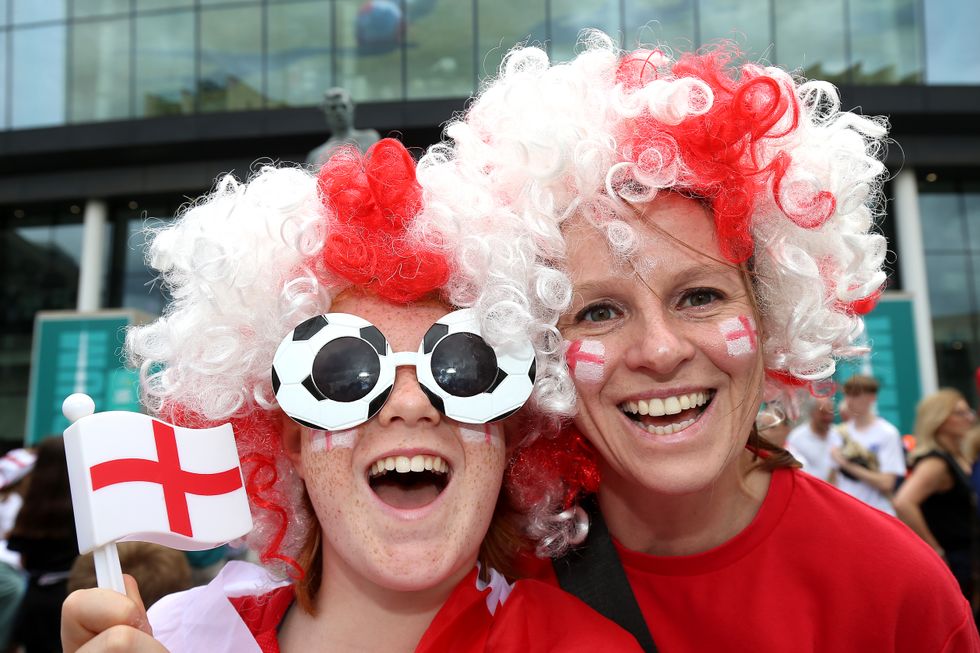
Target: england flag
[(134, 477)]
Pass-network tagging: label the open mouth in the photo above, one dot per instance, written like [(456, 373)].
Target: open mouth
[(407, 483), (667, 415)]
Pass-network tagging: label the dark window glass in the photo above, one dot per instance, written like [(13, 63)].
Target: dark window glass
[(298, 62), (38, 76), (439, 49), (502, 25), (3, 79), (100, 70), (140, 288), (810, 37), (165, 64), (369, 49), (941, 217), (231, 59)]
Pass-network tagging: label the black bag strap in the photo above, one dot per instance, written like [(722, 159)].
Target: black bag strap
[(594, 573)]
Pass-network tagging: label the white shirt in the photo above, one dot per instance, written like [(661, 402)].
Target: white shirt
[(883, 440), (814, 450)]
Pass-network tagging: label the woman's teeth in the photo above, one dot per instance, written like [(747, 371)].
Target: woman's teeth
[(669, 428), (658, 407), (404, 464)]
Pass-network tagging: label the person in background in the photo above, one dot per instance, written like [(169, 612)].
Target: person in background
[(814, 439), (44, 535), (870, 457), (937, 500), (15, 468), (971, 448), (158, 569)]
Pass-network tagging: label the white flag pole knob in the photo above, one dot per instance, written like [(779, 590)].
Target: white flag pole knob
[(77, 406)]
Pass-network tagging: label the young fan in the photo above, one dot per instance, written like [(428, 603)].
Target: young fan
[(321, 316)]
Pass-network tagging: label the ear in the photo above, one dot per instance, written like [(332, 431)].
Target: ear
[(292, 442)]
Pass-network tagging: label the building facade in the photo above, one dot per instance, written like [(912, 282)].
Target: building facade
[(114, 113)]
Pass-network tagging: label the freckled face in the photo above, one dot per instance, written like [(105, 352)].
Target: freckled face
[(682, 371), (409, 531)]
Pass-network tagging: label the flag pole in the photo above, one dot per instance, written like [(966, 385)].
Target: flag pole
[(108, 571)]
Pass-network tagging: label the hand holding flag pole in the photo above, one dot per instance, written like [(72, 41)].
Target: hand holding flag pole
[(134, 477)]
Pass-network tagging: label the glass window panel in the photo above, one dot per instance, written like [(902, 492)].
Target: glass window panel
[(140, 288), (439, 49), (810, 38), (3, 11), (949, 288), (941, 219), (502, 25), (369, 49), (81, 8), (165, 64), (298, 61), (3, 80), (667, 23), (885, 42), (206, 3), (231, 59), (569, 17), (100, 70), (144, 5), (31, 11), (746, 22), (38, 76), (952, 46), (971, 209)]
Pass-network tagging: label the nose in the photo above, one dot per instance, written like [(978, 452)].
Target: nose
[(660, 342), (407, 402)]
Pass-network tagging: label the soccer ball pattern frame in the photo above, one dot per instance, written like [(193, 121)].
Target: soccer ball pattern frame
[(299, 397)]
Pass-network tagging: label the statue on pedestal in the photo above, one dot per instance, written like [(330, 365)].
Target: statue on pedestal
[(338, 111)]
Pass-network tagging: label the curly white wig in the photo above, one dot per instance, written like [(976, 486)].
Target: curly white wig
[(793, 182)]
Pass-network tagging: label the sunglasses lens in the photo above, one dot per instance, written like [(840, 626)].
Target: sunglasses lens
[(346, 369), (463, 364)]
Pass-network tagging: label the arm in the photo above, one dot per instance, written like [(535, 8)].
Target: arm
[(930, 476), (881, 481), (104, 620)]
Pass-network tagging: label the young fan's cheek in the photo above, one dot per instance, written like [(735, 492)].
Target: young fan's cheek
[(321, 441), (490, 434), (586, 360), (739, 335)]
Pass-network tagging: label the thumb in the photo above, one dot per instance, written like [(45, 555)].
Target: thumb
[(133, 592)]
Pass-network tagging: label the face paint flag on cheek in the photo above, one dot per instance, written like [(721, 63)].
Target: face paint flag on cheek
[(741, 337), (328, 441), (479, 433), (586, 360)]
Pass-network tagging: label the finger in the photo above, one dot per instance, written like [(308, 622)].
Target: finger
[(133, 592), (122, 639), (86, 613)]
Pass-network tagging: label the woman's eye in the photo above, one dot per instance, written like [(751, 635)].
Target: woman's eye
[(598, 313), (700, 297)]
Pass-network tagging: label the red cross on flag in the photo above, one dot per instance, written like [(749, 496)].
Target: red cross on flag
[(134, 477)]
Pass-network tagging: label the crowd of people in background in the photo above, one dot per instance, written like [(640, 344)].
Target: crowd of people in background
[(932, 485)]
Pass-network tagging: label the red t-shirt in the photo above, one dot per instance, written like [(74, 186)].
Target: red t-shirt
[(816, 570), (533, 617)]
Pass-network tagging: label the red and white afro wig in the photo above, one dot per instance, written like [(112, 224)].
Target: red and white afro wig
[(250, 261), (793, 182)]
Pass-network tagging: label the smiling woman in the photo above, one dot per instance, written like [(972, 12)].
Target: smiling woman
[(715, 225), (319, 315)]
